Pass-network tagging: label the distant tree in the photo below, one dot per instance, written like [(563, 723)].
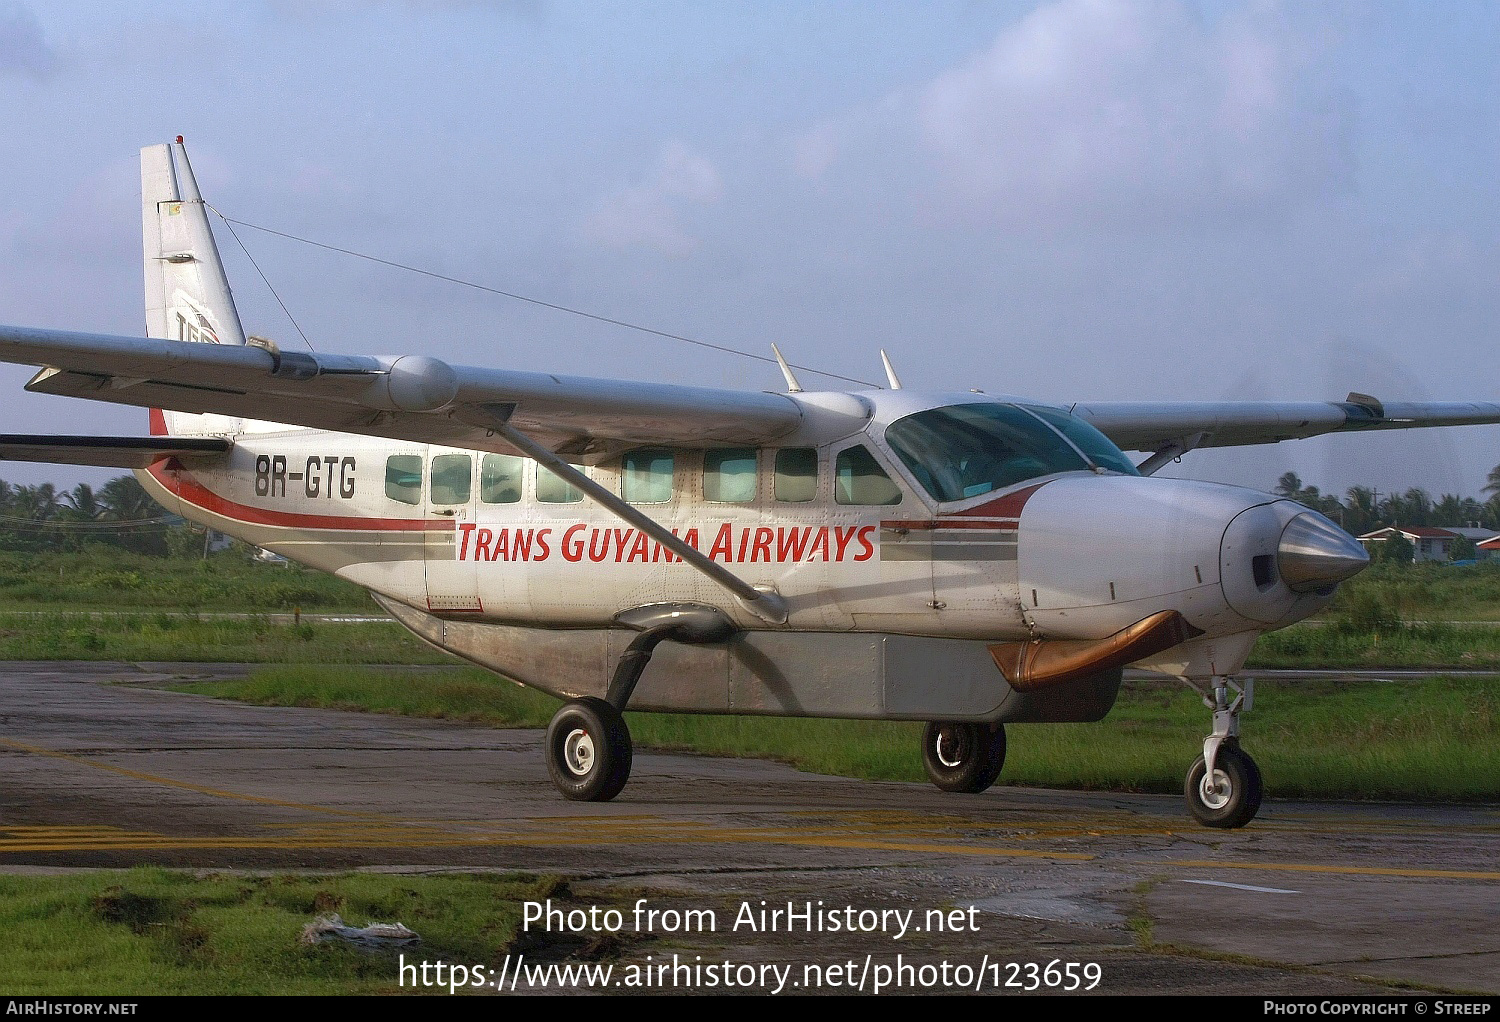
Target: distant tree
[(82, 502), (123, 499), (1493, 485), (1449, 510), (1462, 549), (1397, 550), (1289, 485), (1359, 510)]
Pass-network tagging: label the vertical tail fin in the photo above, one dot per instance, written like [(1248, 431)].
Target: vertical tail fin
[(187, 294)]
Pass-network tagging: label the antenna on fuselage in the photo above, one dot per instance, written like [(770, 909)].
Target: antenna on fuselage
[(890, 370), (792, 386)]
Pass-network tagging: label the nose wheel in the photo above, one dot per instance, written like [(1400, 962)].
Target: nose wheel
[(1230, 796), (963, 756), (588, 751), (1223, 787)]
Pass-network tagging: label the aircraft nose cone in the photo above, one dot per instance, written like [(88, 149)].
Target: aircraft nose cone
[(1315, 554)]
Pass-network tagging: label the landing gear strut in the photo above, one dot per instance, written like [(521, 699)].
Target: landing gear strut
[(1223, 787), (961, 756), (588, 746)]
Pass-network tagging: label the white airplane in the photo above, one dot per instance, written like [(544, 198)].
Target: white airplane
[(962, 559)]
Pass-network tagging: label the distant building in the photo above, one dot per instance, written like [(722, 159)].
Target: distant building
[(1428, 542), (1489, 549)]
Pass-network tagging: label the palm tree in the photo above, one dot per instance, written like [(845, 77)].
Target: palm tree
[(37, 503), (82, 502), (122, 499), (1493, 486), (1360, 516), (1449, 510)]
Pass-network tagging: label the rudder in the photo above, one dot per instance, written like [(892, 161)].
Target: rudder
[(187, 293)]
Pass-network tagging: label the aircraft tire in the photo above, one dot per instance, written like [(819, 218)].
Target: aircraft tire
[(1235, 798), (588, 750), (962, 756)]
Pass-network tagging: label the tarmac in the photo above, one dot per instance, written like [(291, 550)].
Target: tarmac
[(100, 769)]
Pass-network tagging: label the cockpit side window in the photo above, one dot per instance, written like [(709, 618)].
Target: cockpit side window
[(964, 451), (859, 479)]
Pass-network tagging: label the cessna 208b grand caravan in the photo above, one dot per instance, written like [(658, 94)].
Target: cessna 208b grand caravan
[(965, 560)]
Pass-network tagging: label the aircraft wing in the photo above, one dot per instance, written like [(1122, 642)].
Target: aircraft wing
[(1141, 426), (410, 397)]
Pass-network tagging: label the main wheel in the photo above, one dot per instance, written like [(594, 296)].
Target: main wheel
[(588, 750), (961, 756), (1231, 798)]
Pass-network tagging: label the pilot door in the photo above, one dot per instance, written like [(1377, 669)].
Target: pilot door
[(974, 579), (451, 565)]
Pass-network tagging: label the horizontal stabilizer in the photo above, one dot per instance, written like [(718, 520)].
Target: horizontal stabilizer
[(107, 451)]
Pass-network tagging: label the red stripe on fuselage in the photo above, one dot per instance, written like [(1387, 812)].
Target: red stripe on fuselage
[(1008, 506), (1003, 514), (195, 493), (933, 524)]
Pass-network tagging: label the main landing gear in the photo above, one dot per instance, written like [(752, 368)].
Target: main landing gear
[(962, 756), (1223, 787), (589, 751), (588, 747)]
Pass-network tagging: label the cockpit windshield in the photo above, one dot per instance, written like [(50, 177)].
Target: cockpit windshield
[(963, 451), (1095, 446)]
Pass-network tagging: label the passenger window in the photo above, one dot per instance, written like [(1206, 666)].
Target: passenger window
[(403, 478), (859, 479), (553, 489), (500, 479), (729, 476), (646, 477), (796, 474), (451, 476)]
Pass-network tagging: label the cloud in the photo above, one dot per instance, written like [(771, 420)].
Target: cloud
[(23, 48), (1113, 108), (649, 213)]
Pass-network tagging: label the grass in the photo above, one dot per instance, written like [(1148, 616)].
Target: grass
[(103, 578), (1426, 592), (1434, 739), (258, 638), (1395, 644), (151, 931), (166, 636)]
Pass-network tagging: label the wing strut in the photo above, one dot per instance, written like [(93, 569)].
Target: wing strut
[(763, 603), (1169, 451)]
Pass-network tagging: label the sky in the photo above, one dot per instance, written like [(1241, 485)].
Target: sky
[(1071, 200)]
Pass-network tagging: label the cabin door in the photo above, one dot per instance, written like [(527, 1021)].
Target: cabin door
[(451, 565)]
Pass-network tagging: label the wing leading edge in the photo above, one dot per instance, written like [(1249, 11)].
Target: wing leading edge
[(410, 397), (1141, 426)]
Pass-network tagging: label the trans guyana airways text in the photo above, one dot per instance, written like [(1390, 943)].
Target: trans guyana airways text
[(730, 543)]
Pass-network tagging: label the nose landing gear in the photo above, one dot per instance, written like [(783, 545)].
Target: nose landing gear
[(1223, 786)]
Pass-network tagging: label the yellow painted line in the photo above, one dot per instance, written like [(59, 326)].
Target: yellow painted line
[(345, 838), (895, 846), (1305, 867), (38, 750), (287, 844)]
